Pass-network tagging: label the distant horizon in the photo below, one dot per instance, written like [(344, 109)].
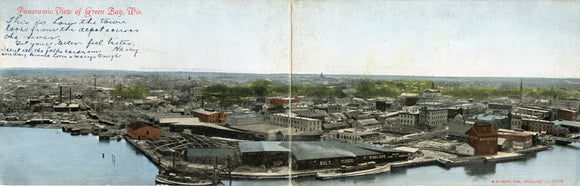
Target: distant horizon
[(257, 73), (537, 39)]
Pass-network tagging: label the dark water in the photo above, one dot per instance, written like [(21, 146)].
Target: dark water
[(47, 156)]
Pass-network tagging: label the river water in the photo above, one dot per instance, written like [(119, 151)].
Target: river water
[(47, 156)]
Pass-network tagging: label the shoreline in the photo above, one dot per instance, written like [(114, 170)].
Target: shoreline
[(244, 175)]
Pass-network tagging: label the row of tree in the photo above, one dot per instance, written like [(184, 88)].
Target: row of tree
[(378, 88), (483, 93), (221, 93)]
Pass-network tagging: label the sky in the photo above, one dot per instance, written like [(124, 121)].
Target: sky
[(418, 38)]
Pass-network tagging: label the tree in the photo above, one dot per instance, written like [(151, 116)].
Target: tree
[(132, 92), (261, 88)]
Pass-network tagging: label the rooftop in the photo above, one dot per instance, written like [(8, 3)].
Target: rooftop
[(486, 117), (371, 121), (309, 150), (138, 125), (567, 123), (243, 116), (261, 146), (266, 128), (190, 121), (203, 111), (482, 129)]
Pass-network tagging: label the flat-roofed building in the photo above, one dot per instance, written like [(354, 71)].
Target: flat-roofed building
[(537, 125), (532, 112), (567, 114), (432, 117), (329, 108), (299, 124), (408, 119), (209, 116), (497, 121), (351, 135), (281, 102), (244, 119), (572, 126)]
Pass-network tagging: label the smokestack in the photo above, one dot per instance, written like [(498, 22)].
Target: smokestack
[(60, 94), (521, 88), (70, 95)]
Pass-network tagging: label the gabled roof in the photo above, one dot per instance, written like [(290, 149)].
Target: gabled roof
[(482, 129), (365, 122), (138, 125)]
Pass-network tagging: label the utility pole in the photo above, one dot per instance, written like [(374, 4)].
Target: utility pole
[(229, 170)]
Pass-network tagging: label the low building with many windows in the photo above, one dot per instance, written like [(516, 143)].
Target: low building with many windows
[(432, 117), (351, 135), (299, 124)]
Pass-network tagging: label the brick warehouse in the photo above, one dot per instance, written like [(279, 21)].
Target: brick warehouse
[(209, 116), (483, 138), (142, 131)]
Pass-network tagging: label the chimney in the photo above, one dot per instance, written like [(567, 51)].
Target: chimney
[(60, 94), (70, 94)]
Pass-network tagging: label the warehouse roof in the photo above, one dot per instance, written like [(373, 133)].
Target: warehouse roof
[(309, 150), (261, 146), (567, 123)]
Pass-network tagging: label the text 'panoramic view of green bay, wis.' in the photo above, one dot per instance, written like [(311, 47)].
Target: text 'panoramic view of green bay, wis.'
[(289, 92)]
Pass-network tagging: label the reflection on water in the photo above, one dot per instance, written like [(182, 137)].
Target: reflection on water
[(480, 169), (102, 141)]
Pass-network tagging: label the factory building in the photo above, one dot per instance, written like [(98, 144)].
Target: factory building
[(432, 117), (142, 131), (353, 136), (299, 124), (567, 114), (483, 138), (209, 116), (280, 102)]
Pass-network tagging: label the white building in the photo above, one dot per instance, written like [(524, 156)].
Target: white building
[(299, 124)]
